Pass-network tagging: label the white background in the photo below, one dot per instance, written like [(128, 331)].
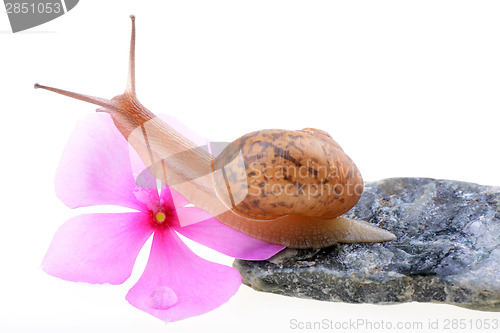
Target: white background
[(408, 88)]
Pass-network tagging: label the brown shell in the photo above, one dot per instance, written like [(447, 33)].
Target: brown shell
[(270, 173)]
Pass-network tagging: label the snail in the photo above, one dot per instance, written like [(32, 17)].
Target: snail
[(282, 186)]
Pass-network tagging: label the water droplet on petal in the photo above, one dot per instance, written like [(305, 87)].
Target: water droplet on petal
[(162, 298)]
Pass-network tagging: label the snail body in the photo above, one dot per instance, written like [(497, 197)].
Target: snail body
[(284, 187)]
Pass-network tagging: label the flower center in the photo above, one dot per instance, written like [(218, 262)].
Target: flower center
[(160, 217)]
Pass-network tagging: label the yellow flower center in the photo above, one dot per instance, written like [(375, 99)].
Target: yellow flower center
[(160, 217)]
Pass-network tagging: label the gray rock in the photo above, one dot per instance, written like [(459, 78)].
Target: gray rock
[(447, 250)]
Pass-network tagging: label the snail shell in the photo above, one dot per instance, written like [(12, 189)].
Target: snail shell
[(270, 173), (226, 186)]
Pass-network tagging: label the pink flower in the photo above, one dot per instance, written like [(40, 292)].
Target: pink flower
[(96, 169)]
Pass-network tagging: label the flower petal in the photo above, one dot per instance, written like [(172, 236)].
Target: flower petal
[(191, 215), (177, 284), (226, 240), (95, 167), (97, 248), (171, 198)]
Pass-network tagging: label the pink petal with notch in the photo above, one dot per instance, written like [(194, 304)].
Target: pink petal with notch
[(95, 168), (97, 248), (178, 284)]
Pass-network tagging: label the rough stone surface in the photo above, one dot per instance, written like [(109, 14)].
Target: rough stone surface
[(447, 250)]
